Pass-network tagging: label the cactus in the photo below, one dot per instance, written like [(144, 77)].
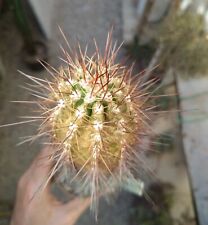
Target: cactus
[(95, 114), (185, 45)]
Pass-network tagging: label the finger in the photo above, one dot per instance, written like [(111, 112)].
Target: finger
[(78, 205), (42, 164), (40, 168), (75, 208)]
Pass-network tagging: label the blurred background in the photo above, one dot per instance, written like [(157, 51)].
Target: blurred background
[(168, 40)]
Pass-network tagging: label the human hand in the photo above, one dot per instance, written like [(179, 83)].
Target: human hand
[(35, 206)]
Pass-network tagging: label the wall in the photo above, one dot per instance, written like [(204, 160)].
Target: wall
[(44, 12)]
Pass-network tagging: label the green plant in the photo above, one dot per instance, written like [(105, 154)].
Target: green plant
[(22, 22), (185, 44)]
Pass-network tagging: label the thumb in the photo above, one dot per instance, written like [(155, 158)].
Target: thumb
[(41, 166), (75, 208)]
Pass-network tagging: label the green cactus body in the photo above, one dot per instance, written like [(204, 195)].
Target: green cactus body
[(94, 119), (94, 113)]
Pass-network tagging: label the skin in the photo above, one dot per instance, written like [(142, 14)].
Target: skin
[(35, 206)]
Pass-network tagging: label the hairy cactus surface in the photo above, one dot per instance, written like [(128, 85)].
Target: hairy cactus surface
[(94, 113), (184, 40)]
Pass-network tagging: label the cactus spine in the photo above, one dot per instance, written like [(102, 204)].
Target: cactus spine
[(94, 113)]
